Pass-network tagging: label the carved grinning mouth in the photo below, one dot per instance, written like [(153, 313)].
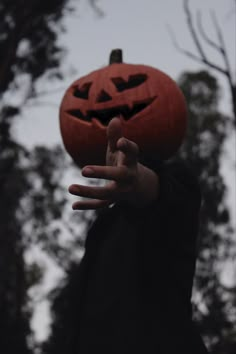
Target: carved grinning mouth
[(105, 115)]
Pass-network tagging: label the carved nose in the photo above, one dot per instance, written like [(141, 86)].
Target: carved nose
[(103, 96)]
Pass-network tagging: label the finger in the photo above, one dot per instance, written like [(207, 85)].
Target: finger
[(130, 151), (115, 173), (114, 133), (90, 204), (103, 193)]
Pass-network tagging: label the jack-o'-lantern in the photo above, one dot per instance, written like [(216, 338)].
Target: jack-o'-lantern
[(149, 103)]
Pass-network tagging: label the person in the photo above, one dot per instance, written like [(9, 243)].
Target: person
[(137, 272)]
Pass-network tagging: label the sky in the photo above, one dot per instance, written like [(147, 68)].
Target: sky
[(140, 29)]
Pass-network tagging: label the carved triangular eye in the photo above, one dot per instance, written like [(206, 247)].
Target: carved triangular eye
[(82, 92), (103, 97), (133, 81)]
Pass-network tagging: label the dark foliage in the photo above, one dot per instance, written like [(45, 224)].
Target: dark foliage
[(30, 199), (28, 41), (28, 45), (214, 307), (32, 194)]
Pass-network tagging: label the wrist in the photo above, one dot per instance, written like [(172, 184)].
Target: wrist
[(147, 187)]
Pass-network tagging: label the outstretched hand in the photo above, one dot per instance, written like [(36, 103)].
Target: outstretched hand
[(127, 179)]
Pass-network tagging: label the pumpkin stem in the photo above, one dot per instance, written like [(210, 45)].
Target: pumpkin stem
[(116, 56)]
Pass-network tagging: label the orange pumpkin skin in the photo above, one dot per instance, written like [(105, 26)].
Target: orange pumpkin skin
[(149, 103)]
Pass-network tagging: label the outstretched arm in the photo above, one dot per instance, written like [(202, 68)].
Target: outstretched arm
[(128, 180)]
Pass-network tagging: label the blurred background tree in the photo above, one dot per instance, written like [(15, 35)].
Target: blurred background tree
[(214, 307), (32, 196), (214, 304)]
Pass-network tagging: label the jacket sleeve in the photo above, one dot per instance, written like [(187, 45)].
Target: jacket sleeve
[(179, 187)]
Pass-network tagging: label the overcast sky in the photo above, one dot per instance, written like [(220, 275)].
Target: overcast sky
[(140, 29)]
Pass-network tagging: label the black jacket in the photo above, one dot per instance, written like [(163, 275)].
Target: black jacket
[(135, 280)]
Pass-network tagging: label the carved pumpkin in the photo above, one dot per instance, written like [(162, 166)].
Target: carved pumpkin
[(149, 103)]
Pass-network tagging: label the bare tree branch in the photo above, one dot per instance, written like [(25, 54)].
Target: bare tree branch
[(192, 30), (197, 42), (96, 7), (199, 59), (208, 40), (222, 47), (202, 56)]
